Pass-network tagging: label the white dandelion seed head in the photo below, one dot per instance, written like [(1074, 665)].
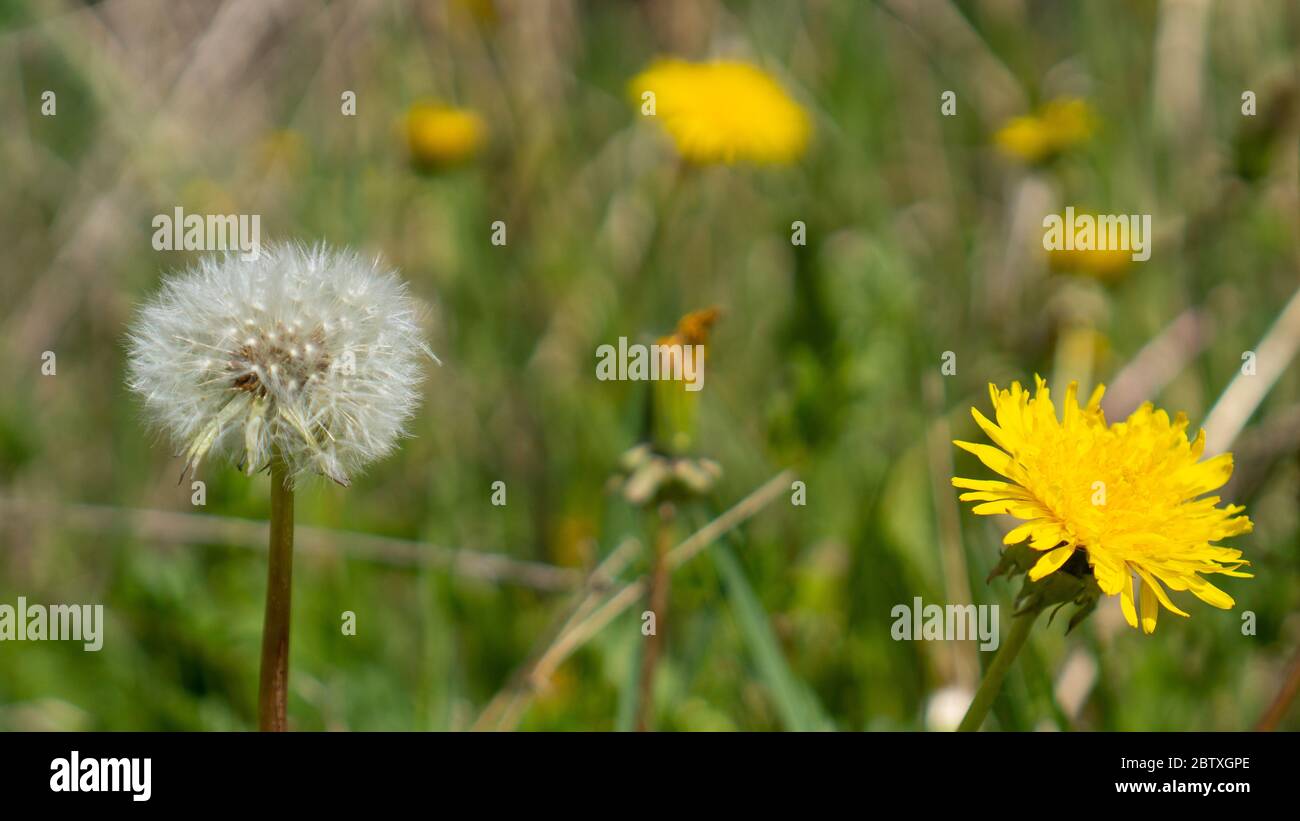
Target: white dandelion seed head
[(309, 351)]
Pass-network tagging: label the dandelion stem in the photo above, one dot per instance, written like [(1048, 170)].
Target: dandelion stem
[(658, 604), (992, 683), (1282, 701), (273, 687)]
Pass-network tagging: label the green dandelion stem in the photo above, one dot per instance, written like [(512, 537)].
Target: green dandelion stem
[(273, 686), (992, 683)]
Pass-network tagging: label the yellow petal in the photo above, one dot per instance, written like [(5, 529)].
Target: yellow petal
[(1150, 609), (1211, 474), (983, 484), (1094, 401), (980, 496), (994, 432), (1050, 562), (1209, 594), (994, 459), (1158, 591), (1046, 538), (1021, 532), (993, 508), (1112, 578), (1126, 603)]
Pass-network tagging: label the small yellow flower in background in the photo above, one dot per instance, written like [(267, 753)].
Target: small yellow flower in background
[(1056, 127), (1128, 495), (1107, 265), (439, 135), (723, 111)]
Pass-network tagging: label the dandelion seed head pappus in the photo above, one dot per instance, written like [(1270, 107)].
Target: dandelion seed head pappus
[(310, 352)]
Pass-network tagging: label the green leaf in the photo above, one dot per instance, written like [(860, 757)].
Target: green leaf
[(629, 690), (795, 702)]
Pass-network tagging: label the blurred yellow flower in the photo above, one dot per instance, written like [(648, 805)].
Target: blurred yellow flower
[(1057, 126), (1129, 495), (439, 135), (1106, 265), (723, 111)]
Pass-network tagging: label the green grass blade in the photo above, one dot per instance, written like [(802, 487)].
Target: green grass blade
[(795, 702)]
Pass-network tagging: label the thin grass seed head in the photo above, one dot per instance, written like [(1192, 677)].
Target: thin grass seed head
[(311, 352), (1130, 496)]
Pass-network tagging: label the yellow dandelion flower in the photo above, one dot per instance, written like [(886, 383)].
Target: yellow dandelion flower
[(439, 135), (1130, 496), (1107, 265), (1056, 127), (723, 111)]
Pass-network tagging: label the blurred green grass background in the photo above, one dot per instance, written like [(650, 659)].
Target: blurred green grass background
[(921, 239)]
